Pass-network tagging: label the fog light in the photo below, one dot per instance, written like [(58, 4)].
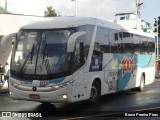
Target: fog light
[(64, 96)]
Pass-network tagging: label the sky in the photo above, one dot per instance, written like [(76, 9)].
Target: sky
[(104, 9), (27, 7)]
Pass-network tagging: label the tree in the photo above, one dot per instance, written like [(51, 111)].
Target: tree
[(50, 12), (155, 24)]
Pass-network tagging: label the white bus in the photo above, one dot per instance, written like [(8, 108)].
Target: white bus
[(70, 59)]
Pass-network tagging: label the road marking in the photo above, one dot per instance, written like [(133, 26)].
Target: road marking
[(143, 98), (145, 109), (75, 118), (109, 114)]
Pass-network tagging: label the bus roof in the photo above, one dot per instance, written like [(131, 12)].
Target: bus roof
[(69, 22)]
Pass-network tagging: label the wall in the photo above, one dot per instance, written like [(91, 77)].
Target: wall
[(11, 23)]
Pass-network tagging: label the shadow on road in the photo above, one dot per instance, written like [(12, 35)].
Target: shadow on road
[(82, 109)]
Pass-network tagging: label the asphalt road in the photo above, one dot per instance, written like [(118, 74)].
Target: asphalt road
[(112, 105)]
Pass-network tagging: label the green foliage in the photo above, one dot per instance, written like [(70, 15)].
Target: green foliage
[(50, 12)]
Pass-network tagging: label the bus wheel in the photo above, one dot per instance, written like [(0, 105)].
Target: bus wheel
[(141, 86), (95, 93)]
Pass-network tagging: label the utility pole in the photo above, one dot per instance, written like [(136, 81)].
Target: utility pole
[(75, 7), (138, 13), (5, 5), (138, 6), (156, 25)]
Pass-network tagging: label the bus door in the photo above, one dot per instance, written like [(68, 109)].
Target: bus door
[(78, 89)]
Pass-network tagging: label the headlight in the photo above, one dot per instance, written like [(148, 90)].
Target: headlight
[(65, 84)]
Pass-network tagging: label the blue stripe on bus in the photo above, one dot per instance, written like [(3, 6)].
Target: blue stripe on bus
[(58, 80), (143, 60), (124, 75)]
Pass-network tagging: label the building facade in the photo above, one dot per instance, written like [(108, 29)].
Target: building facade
[(131, 20)]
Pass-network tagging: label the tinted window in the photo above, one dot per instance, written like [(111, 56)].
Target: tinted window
[(126, 44), (86, 39), (114, 40), (102, 43), (137, 44)]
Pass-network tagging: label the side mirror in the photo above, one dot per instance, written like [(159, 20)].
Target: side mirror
[(72, 40), (5, 39)]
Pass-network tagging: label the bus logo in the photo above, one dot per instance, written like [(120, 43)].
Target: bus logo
[(127, 65), (95, 66)]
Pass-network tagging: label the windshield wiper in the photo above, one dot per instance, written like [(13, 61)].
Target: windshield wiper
[(30, 55), (45, 60), (47, 65)]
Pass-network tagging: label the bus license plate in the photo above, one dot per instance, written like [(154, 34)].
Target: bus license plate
[(34, 96)]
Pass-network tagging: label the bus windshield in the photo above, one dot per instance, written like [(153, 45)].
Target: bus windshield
[(41, 52)]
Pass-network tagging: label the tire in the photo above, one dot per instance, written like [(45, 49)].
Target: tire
[(142, 82), (95, 93)]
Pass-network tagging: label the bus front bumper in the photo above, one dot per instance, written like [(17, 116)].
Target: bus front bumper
[(58, 96)]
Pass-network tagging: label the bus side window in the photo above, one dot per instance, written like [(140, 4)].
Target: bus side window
[(101, 41), (136, 44), (77, 54), (78, 57), (120, 35), (86, 39), (127, 45), (115, 36), (145, 46), (151, 47)]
